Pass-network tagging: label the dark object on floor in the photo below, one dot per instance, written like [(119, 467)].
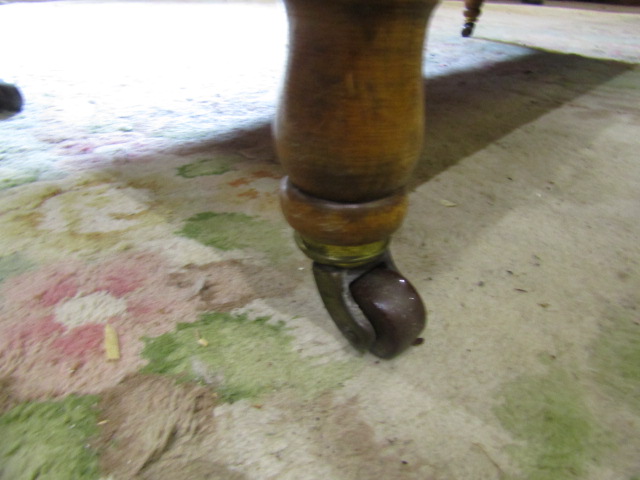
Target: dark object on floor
[(10, 98), (467, 29)]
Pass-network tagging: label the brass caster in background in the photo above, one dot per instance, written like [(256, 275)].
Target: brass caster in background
[(373, 305)]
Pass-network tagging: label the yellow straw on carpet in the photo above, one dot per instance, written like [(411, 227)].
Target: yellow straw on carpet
[(111, 343)]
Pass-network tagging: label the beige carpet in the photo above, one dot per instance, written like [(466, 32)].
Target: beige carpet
[(139, 192)]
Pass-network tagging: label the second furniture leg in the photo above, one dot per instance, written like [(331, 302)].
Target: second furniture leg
[(472, 12)]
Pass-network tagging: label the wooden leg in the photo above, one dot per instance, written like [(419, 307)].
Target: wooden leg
[(349, 131), (471, 13)]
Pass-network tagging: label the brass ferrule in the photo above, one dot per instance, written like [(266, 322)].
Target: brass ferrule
[(349, 256)]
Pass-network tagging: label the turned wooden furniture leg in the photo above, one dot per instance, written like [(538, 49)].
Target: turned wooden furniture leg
[(348, 132), (471, 13)]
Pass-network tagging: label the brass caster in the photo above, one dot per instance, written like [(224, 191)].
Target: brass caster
[(373, 305), (10, 98), (467, 29)]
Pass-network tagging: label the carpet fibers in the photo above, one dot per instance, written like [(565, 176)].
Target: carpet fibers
[(158, 322)]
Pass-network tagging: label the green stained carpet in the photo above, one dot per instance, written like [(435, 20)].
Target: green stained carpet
[(206, 166), (550, 416), (48, 440), (228, 231), (13, 265), (208, 351), (616, 355)]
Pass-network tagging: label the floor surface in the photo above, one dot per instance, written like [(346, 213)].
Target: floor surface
[(144, 146)]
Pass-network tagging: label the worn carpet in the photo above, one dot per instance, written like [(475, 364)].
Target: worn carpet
[(138, 203)]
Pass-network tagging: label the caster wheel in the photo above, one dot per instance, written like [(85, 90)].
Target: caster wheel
[(393, 307), (467, 29), (374, 306), (10, 98)]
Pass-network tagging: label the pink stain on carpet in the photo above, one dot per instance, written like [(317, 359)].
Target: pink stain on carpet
[(121, 277), (80, 343), (62, 288), (32, 331), (52, 322)]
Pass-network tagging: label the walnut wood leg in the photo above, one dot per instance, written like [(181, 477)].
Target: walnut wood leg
[(471, 13), (349, 131)]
